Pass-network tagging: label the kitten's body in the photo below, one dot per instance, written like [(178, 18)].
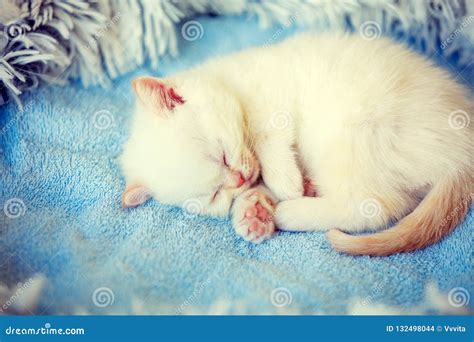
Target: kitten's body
[(368, 122)]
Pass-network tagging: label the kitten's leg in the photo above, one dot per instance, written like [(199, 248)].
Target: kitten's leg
[(252, 214), (280, 171), (306, 214)]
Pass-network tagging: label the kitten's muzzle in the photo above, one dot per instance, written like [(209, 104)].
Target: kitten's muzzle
[(239, 179)]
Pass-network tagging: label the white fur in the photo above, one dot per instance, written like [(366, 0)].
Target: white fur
[(365, 120)]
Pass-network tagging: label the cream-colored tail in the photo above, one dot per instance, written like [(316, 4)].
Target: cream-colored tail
[(437, 215)]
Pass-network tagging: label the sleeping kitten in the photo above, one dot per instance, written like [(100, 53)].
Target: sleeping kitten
[(370, 123)]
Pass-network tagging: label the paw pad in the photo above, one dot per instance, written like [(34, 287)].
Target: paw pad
[(256, 219)]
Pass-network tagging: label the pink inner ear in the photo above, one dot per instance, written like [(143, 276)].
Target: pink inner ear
[(135, 195), (169, 98), (150, 89)]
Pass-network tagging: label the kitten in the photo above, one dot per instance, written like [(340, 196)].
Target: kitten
[(370, 123)]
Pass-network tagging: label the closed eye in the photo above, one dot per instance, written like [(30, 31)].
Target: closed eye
[(215, 195), (224, 160)]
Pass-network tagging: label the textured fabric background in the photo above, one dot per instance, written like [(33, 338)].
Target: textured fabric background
[(59, 165)]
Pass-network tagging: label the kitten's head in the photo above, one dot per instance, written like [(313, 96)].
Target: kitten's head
[(188, 146)]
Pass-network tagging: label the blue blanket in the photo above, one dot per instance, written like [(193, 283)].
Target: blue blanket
[(60, 188)]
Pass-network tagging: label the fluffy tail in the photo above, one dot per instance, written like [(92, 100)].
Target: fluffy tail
[(437, 215)]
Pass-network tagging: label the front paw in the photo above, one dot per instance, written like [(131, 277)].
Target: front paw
[(310, 189), (296, 215), (253, 216), (286, 213)]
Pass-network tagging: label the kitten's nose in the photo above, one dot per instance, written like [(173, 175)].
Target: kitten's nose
[(241, 180)]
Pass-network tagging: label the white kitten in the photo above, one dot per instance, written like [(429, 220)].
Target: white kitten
[(369, 122)]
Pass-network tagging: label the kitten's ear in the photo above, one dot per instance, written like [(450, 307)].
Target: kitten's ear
[(134, 195), (157, 93)]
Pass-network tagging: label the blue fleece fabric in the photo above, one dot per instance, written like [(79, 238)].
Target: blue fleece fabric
[(62, 164)]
